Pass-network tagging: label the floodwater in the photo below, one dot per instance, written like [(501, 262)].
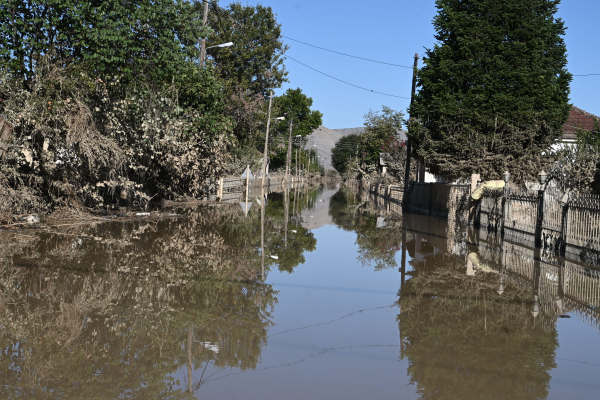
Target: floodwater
[(319, 294)]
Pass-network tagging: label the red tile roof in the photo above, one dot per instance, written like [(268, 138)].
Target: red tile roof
[(578, 119)]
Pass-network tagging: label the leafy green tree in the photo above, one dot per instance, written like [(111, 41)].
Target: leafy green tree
[(345, 149), (137, 39), (381, 130), (255, 61), (297, 106), (493, 92)]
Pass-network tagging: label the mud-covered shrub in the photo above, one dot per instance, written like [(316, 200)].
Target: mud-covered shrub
[(56, 146), (78, 140), (175, 137)]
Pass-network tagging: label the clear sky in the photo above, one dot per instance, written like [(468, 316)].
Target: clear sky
[(392, 32)]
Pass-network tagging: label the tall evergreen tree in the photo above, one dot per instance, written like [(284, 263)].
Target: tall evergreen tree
[(494, 90)]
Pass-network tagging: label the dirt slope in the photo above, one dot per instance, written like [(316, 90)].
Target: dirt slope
[(323, 139)]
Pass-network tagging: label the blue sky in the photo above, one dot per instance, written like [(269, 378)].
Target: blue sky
[(393, 31)]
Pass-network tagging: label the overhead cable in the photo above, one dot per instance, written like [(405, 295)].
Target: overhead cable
[(348, 55), (347, 83)]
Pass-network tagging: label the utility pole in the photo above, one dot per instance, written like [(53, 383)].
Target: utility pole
[(288, 163), (408, 144), (203, 46), (300, 162), (264, 168)]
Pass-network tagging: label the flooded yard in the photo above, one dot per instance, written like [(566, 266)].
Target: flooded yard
[(320, 294)]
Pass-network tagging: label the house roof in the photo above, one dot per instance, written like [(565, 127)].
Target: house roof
[(578, 119)]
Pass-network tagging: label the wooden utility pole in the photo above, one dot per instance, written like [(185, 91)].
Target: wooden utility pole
[(262, 232), (203, 45), (300, 158), (408, 144), (286, 212), (264, 168), (288, 163)]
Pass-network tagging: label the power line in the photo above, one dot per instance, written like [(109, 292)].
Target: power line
[(347, 55), (375, 61), (347, 83)]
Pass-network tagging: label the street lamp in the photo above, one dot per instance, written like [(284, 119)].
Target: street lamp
[(542, 176), (535, 309), (221, 45), (501, 286), (203, 55)]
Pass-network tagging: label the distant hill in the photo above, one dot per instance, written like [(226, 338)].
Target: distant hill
[(323, 139)]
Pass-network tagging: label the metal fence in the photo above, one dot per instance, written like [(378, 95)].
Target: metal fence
[(550, 219), (233, 189)]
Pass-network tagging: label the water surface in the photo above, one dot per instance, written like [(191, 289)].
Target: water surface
[(328, 295)]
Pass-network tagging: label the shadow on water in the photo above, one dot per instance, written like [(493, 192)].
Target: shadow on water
[(155, 308)]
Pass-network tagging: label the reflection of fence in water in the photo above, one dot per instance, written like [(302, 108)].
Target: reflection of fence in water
[(580, 284)]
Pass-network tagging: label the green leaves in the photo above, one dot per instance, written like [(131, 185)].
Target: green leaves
[(255, 61), (494, 90), (297, 106), (381, 128), (345, 149), (140, 38)]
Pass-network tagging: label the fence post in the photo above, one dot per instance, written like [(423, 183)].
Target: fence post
[(505, 205), (220, 190), (540, 218), (565, 225), (247, 181)]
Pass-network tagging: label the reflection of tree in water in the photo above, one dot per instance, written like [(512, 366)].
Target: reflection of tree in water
[(114, 310), (465, 341), (290, 251), (74, 333), (377, 247)]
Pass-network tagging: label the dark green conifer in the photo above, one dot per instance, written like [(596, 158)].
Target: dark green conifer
[(494, 90)]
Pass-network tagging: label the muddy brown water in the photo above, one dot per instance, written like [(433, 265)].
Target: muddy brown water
[(326, 297)]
